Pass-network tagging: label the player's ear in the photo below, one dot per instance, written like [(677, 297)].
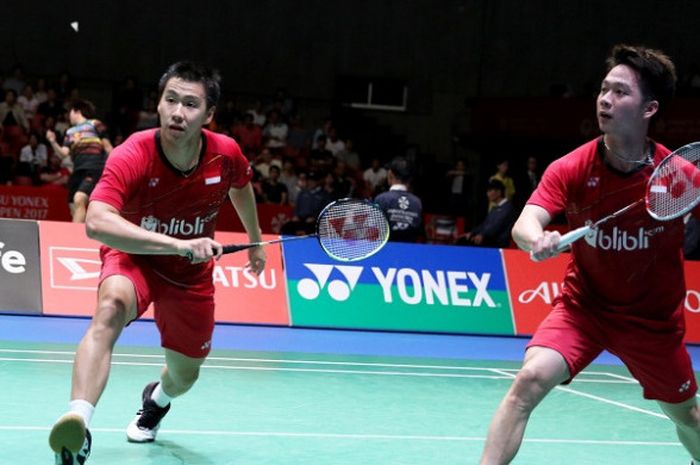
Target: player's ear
[(650, 108), (210, 115)]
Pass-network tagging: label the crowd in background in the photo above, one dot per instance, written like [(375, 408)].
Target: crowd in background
[(294, 164)]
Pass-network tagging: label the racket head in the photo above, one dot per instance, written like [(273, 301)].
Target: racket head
[(349, 230), (674, 187)]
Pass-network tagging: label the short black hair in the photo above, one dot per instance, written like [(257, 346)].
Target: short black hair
[(657, 73), (402, 169), (85, 107), (194, 72), (497, 185)]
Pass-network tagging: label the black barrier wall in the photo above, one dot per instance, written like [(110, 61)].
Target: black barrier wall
[(20, 268)]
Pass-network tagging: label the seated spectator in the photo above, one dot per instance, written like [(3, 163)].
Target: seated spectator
[(320, 158), (298, 138), (56, 173), (13, 123), (349, 156), (275, 133), (52, 106), (311, 200), (264, 161), (374, 177), (273, 191), (502, 175), (33, 158), (248, 135), (333, 144), (28, 102), (494, 231), (403, 209), (148, 117), (290, 179)]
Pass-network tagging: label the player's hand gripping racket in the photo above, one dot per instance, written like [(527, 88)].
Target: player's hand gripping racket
[(672, 191), (347, 230)]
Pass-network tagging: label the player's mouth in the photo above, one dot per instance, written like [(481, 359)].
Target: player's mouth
[(604, 116), (176, 128)]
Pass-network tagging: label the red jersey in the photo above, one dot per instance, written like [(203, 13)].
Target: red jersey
[(633, 264), (150, 192)]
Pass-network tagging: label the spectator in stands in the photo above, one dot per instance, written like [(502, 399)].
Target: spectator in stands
[(333, 144), (494, 231), (374, 177), (298, 140), (342, 184), (148, 117), (33, 158), (290, 179), (311, 200), (87, 144), (28, 102), (275, 133), (40, 91), (349, 156), (56, 173), (403, 209), (13, 124), (52, 106), (258, 113), (248, 135), (502, 175), (457, 184), (320, 158), (322, 131), (264, 161), (274, 191), (15, 81), (526, 181), (127, 103)]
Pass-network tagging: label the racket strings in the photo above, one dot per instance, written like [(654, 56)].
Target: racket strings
[(674, 187), (352, 230)]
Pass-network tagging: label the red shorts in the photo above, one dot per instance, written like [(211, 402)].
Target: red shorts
[(184, 315), (654, 352)]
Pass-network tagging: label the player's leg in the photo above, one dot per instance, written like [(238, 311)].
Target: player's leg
[(542, 370), (686, 417), (185, 317), (116, 307), (79, 209)]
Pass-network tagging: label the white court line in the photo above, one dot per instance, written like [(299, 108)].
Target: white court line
[(616, 380), (606, 401), (362, 437), (302, 370)]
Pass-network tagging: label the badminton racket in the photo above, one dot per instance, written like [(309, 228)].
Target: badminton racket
[(347, 230), (673, 189)]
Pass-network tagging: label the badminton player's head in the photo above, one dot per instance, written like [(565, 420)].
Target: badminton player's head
[(189, 93), (636, 89), (400, 171)]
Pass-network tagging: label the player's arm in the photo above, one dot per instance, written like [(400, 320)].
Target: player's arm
[(107, 145), (243, 201), (62, 152), (529, 233), (104, 223)]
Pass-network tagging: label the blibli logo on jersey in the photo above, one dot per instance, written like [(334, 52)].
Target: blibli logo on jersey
[(174, 227), (618, 239)]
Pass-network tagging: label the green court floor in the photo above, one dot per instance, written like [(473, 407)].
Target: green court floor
[(253, 408)]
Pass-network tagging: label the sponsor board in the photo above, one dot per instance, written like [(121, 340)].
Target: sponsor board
[(532, 287), (71, 269), (20, 273), (403, 287)]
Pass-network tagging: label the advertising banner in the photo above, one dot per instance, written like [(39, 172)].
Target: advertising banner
[(403, 287), (71, 269), (34, 203), (20, 281), (532, 287)]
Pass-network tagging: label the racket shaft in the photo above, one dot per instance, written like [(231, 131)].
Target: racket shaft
[(238, 247), (572, 236)]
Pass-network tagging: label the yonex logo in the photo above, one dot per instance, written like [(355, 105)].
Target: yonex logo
[(403, 202), (338, 289)]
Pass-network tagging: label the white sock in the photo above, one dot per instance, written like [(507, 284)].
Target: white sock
[(83, 408), (160, 397)]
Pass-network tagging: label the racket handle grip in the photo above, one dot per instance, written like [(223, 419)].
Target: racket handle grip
[(567, 239), (235, 248), (572, 236)]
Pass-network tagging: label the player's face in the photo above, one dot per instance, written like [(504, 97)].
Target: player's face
[(183, 109), (621, 105)]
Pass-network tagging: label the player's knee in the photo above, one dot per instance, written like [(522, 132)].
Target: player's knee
[(112, 312), (184, 378), (689, 419), (529, 387)]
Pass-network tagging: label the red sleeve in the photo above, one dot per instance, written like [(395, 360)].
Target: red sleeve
[(123, 170), (242, 172), (552, 191)]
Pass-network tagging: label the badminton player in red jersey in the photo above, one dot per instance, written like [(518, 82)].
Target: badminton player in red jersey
[(156, 203), (624, 288)]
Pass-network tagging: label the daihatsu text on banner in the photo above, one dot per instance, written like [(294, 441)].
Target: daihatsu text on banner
[(403, 287), (71, 265), (20, 273)]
